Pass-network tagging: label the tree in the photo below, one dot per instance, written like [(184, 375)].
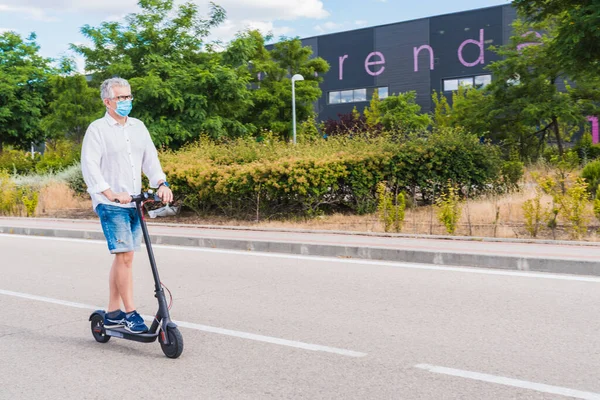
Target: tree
[(72, 107), (524, 107), (401, 114), (270, 72), (576, 45), (525, 89), (181, 87), (442, 112), (23, 84), (373, 113)]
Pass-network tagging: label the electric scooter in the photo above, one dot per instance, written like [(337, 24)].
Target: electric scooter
[(162, 328)]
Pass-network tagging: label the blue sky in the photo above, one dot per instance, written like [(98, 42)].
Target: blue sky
[(57, 22)]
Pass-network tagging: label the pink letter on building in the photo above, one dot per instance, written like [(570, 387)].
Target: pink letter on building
[(594, 121), (418, 50), (368, 63), (342, 66), (479, 43), (519, 47)]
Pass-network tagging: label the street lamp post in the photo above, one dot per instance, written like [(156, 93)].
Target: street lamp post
[(295, 78)]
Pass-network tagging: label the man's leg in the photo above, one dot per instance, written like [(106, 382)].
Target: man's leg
[(121, 282), (114, 302)]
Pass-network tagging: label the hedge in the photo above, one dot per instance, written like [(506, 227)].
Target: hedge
[(245, 179)]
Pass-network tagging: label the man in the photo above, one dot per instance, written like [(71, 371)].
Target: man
[(116, 149)]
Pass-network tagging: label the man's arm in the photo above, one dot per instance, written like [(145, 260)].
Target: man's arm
[(152, 169), (151, 164), (91, 155)]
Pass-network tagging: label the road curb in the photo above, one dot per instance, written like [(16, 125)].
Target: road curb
[(446, 258), (249, 228)]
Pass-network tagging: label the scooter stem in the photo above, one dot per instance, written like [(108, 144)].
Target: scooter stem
[(147, 240)]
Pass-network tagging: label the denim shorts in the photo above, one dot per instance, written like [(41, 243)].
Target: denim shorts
[(121, 226)]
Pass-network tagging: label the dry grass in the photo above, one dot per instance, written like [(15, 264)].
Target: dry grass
[(58, 198), (492, 216)]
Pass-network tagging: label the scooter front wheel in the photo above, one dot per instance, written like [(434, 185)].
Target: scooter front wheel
[(98, 329), (175, 346)]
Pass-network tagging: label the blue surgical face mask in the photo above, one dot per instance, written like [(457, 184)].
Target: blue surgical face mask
[(124, 107)]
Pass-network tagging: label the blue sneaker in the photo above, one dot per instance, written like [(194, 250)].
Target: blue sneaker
[(114, 321), (134, 323)]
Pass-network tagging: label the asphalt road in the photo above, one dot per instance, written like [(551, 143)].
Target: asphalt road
[(262, 326)]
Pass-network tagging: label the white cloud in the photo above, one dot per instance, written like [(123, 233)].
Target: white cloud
[(39, 8), (262, 15), (328, 27), (273, 9), (3, 30), (263, 10), (229, 28), (34, 13), (241, 14), (360, 22)]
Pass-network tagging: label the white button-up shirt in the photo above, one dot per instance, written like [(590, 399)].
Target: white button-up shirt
[(114, 156)]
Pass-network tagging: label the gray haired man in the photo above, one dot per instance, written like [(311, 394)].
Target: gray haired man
[(116, 150)]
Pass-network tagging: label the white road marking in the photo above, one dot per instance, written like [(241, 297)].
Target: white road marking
[(429, 267), (48, 300), (538, 387), (204, 328), (268, 339)]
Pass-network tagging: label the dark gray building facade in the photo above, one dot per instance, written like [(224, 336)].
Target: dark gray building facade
[(437, 53)]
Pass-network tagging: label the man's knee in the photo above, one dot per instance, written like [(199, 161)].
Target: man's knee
[(125, 258)]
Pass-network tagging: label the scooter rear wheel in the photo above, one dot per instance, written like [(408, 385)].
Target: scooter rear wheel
[(175, 346), (98, 329)]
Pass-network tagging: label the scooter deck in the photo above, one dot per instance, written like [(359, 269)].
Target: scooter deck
[(125, 334)]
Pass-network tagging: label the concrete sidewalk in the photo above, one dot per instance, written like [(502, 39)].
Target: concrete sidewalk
[(578, 258)]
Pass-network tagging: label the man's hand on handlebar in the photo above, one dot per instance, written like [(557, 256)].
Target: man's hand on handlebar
[(122, 198), (165, 194)]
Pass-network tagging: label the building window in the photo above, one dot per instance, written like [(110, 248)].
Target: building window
[(450, 85), (383, 92), (479, 81), (360, 95), (335, 97), (466, 82), (347, 96), (482, 81)]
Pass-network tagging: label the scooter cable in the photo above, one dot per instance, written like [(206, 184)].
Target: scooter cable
[(170, 295)]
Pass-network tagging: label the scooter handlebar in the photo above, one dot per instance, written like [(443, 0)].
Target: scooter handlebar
[(144, 196)]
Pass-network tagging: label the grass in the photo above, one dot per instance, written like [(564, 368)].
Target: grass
[(59, 197), (491, 216)]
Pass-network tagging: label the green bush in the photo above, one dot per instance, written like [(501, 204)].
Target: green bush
[(29, 198), (512, 172), (8, 194), (591, 174), (448, 155), (391, 213), (17, 161), (74, 178), (585, 149), (246, 179), (574, 207), (534, 213), (58, 156), (449, 208)]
